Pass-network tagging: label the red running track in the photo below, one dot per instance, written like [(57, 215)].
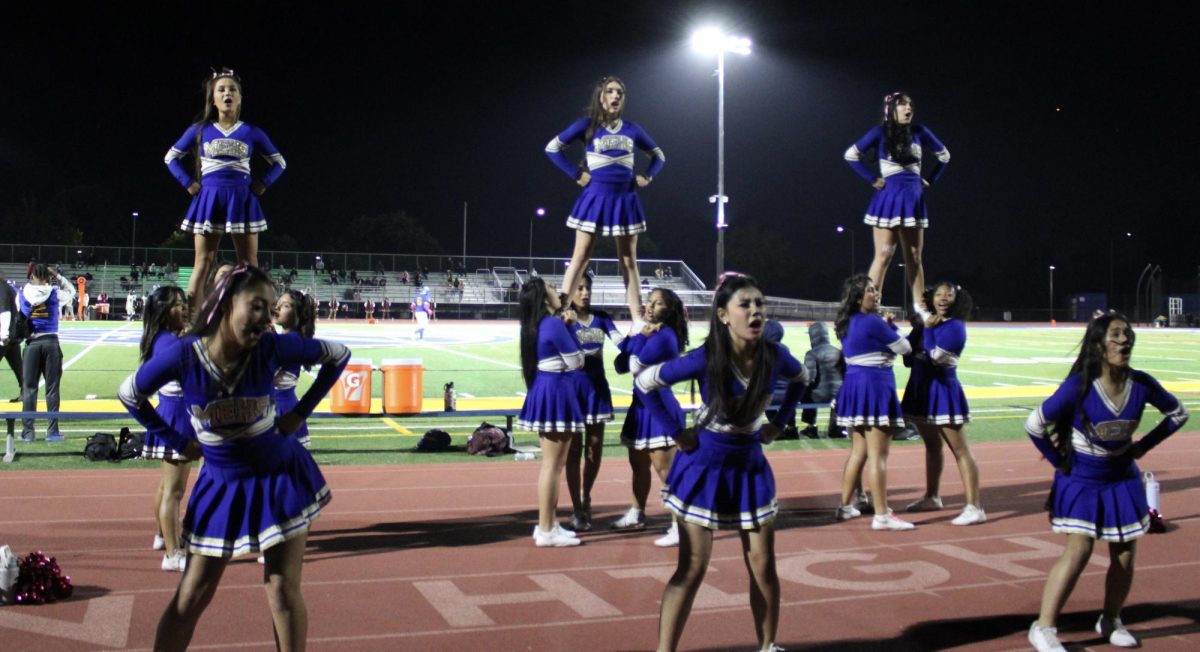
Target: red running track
[(439, 557)]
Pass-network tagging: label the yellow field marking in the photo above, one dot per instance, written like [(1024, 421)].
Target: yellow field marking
[(395, 426)]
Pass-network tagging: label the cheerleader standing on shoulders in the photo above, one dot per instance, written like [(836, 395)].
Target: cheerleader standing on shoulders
[(166, 320), (897, 212), (1085, 429), (259, 489), (649, 438), (935, 402), (609, 204), (866, 404), (294, 313), (720, 479), (224, 197), (590, 329), (552, 364)]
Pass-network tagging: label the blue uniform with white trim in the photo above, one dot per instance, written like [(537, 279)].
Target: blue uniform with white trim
[(1102, 495), (555, 401), (901, 201), (644, 428), (867, 396), (725, 482), (171, 407), (609, 204), (284, 384), (933, 394), (225, 202), (591, 336), (257, 488)]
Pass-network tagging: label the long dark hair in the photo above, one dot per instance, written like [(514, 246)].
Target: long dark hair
[(205, 115), (158, 308), (216, 304), (597, 116), (963, 304), (853, 291), (1089, 365), (897, 137), (719, 362), (533, 309), (676, 317), (306, 317)]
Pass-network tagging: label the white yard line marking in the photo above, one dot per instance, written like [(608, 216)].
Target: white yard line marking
[(87, 349)]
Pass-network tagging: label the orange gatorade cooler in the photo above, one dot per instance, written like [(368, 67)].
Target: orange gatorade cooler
[(403, 385), (352, 395)]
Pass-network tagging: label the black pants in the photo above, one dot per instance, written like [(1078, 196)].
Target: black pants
[(11, 352), (43, 358)]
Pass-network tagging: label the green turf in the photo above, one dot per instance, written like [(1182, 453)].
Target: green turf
[(1026, 359)]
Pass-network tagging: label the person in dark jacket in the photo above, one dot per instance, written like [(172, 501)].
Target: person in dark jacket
[(39, 300), (822, 363), (9, 350)]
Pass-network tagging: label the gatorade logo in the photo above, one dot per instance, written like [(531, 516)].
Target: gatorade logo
[(352, 385)]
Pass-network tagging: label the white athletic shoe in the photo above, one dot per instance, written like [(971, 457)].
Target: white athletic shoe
[(632, 520), (671, 538), (890, 522), (1045, 639), (262, 560), (555, 538), (846, 512), (1114, 631), (925, 504), (970, 515), (175, 563), (564, 531), (158, 544), (862, 502)]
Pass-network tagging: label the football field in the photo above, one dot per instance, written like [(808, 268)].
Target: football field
[(1006, 371)]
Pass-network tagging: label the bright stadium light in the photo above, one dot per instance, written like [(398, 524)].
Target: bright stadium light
[(711, 40)]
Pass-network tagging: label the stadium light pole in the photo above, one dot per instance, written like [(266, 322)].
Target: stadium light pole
[(842, 229), (133, 239), (714, 41), (1052, 294), (537, 213)]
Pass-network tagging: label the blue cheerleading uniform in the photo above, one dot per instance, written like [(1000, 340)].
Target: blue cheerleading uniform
[(867, 396), (725, 482), (555, 401), (598, 405), (644, 427), (225, 202), (609, 204), (933, 394), (901, 201), (257, 488), (1101, 496), (284, 384), (171, 407)]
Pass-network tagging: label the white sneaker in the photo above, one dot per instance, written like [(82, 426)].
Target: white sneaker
[(1045, 639), (925, 504), (1114, 631), (175, 563), (890, 522), (862, 502), (970, 515), (564, 531), (632, 520), (555, 538), (158, 544), (671, 538), (262, 560), (846, 512)]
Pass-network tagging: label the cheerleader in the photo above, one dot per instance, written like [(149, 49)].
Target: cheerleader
[(259, 489), (552, 364), (866, 403), (650, 440), (590, 328), (897, 212), (609, 204), (720, 478), (934, 400), (294, 313), (224, 197), (1085, 430), (164, 323), (422, 309)]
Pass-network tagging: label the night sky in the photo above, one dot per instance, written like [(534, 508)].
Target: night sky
[(1068, 126)]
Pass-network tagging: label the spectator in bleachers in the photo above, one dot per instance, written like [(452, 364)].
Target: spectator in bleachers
[(39, 301), (386, 305)]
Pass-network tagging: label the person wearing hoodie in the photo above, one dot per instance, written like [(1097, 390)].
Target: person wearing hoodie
[(10, 350), (39, 301), (822, 364)]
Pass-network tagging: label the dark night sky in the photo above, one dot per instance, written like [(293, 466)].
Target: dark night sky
[(1067, 125)]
